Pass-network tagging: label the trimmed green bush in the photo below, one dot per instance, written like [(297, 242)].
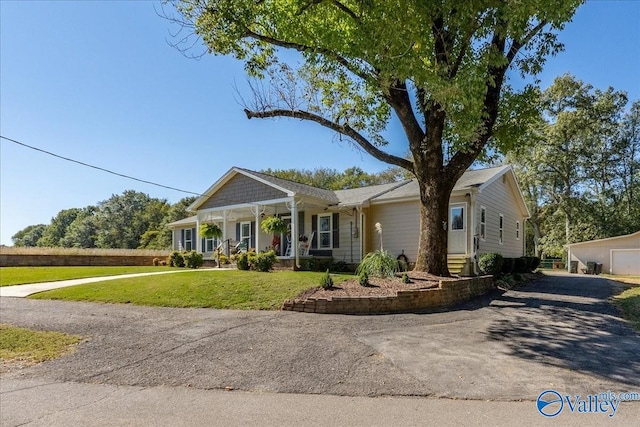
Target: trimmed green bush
[(405, 278), (535, 263), (176, 259), (242, 261), (520, 265), (507, 265), (326, 281), (378, 264), (262, 261), (193, 259), (490, 263)]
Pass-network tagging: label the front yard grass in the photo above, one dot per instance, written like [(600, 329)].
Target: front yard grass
[(29, 346), (22, 275), (228, 289), (629, 303)]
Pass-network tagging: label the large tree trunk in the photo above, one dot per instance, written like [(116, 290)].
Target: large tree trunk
[(434, 227)]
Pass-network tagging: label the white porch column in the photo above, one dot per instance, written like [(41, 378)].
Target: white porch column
[(294, 231), (256, 232), (197, 236), (224, 225)]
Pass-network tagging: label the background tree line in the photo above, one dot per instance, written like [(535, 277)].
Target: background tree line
[(580, 168), (134, 220)]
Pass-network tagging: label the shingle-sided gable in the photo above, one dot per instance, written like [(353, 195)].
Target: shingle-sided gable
[(241, 189), (296, 187)]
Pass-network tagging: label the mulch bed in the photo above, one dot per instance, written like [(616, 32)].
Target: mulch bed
[(377, 286)]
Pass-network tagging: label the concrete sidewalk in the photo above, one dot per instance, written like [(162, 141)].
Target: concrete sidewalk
[(73, 404), (22, 291)]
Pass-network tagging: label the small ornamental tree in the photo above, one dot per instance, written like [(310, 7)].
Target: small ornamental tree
[(440, 67)]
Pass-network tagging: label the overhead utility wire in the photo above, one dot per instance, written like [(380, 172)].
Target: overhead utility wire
[(98, 167)]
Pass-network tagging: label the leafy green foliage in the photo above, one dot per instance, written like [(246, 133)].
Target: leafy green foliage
[(210, 231), (176, 259), (363, 278), (405, 278), (378, 263), (193, 259), (520, 265), (332, 179), (490, 263), (580, 177), (28, 236), (242, 261), (507, 265), (273, 225), (326, 282), (262, 261)]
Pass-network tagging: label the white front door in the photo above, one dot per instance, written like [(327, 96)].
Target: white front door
[(457, 228)]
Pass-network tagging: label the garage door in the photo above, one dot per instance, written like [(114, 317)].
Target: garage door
[(625, 261)]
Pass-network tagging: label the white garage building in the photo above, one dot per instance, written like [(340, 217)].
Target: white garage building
[(618, 255)]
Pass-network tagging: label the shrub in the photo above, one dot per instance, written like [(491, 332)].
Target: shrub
[(378, 264), (505, 282), (490, 263), (176, 259), (242, 260), (363, 278), (339, 267), (156, 262), (405, 278), (535, 262), (262, 261), (163, 263), (193, 259), (507, 265), (224, 260), (326, 281), (520, 265)]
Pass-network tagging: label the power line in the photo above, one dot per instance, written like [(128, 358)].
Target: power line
[(98, 167)]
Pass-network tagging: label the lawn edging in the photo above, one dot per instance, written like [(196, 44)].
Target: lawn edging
[(447, 294)]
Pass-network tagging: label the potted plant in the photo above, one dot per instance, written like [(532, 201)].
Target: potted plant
[(211, 231), (273, 225)]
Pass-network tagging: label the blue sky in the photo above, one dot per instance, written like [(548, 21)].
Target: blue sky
[(97, 81)]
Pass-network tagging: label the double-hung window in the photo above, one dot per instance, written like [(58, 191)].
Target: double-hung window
[(483, 223), (245, 233), (188, 240), (501, 229), (324, 231), (517, 230)]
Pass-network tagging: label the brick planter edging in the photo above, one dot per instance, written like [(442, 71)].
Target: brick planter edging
[(447, 294)]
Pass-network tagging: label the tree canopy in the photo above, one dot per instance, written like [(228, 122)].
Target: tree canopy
[(581, 176), (439, 66)]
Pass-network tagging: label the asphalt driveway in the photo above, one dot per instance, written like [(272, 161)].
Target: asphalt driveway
[(559, 332)]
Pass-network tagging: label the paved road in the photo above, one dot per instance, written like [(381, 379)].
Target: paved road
[(559, 332)]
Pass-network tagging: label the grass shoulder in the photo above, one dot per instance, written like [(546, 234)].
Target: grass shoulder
[(21, 275), (24, 347), (223, 289), (628, 301)]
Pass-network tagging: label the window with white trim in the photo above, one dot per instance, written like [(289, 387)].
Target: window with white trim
[(501, 229), (483, 223), (245, 233), (188, 240), (517, 230), (210, 244), (324, 231)]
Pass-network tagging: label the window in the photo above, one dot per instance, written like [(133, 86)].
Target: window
[(501, 229), (457, 218), (188, 240), (483, 223), (324, 231), (517, 230), (210, 245), (245, 233)]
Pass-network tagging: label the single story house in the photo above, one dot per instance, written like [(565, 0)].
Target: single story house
[(487, 213), (618, 255)]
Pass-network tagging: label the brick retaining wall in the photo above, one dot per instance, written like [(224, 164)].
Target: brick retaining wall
[(448, 293), (28, 260)]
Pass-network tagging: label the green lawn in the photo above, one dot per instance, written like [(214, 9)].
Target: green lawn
[(232, 289), (629, 303), (21, 275), (26, 345)]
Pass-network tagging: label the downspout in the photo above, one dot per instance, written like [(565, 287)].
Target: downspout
[(294, 230)]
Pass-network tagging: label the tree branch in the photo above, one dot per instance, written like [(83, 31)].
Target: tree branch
[(342, 129), (517, 44), (399, 100), (309, 49)]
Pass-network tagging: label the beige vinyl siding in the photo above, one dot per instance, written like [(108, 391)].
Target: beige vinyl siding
[(400, 228), (600, 251), (500, 198), (343, 253)]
